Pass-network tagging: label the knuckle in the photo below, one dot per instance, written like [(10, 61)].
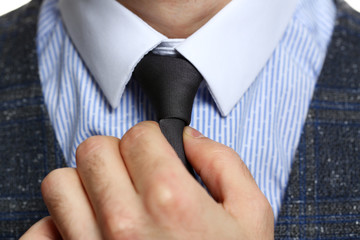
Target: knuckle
[(163, 197), (264, 205), (138, 131), (138, 137), (122, 224), (262, 208), (263, 218), (267, 209), (90, 147), (52, 180), (243, 169), (231, 159), (148, 124), (52, 184), (224, 158), (132, 135), (217, 164)]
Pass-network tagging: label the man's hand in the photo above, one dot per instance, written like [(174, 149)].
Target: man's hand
[(137, 188)]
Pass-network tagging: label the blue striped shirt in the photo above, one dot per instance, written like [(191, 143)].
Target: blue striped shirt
[(264, 126)]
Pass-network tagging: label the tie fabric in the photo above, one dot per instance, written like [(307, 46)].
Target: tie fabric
[(170, 83)]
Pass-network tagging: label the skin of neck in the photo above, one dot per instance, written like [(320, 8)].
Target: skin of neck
[(175, 18)]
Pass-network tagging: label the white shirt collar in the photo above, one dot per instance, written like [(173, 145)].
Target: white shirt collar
[(229, 51)]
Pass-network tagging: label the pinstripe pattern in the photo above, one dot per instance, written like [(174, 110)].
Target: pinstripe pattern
[(264, 127)]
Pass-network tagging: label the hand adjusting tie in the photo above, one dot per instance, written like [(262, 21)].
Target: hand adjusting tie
[(170, 82)]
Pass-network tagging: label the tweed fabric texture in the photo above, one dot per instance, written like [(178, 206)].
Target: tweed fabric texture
[(28, 149), (322, 200)]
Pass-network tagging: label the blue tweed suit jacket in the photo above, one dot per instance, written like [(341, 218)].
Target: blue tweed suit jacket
[(322, 200)]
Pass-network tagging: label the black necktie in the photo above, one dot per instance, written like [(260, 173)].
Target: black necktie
[(171, 84)]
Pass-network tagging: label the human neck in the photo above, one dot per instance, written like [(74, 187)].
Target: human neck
[(175, 18)]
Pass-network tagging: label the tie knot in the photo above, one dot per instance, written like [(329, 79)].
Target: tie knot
[(170, 83)]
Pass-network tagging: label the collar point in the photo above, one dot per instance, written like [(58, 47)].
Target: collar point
[(113, 100), (224, 110)]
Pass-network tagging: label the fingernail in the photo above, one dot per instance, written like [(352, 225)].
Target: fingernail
[(193, 132)]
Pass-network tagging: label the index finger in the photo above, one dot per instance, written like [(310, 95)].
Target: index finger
[(148, 155)]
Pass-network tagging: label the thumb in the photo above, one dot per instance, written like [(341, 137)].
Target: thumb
[(44, 229), (223, 172)]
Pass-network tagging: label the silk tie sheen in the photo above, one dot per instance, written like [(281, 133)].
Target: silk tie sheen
[(170, 83)]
